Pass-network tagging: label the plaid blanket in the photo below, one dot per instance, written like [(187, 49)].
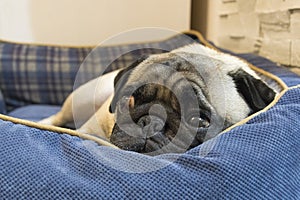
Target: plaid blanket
[(33, 74)]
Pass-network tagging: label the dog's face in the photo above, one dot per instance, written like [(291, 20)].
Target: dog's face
[(174, 101)]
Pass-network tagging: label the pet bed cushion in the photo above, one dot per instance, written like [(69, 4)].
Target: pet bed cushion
[(34, 112), (259, 159)]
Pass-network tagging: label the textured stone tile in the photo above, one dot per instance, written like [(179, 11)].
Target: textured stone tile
[(229, 7), (276, 50), (278, 17), (266, 6), (231, 25), (295, 54), (290, 4), (295, 24), (238, 44)]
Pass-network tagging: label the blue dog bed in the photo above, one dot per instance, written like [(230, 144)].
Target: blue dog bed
[(257, 159)]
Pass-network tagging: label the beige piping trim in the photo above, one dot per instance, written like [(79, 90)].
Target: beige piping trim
[(105, 143), (200, 37), (273, 103), (268, 74), (56, 129)]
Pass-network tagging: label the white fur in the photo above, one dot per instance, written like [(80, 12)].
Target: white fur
[(227, 101), (231, 63), (81, 104)]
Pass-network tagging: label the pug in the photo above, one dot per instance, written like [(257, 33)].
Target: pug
[(169, 102)]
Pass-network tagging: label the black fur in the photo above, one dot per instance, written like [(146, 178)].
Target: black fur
[(121, 79), (254, 91)]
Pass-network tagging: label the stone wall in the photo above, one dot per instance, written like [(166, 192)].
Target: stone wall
[(270, 28)]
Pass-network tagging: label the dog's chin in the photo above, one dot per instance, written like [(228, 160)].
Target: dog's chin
[(128, 143), (152, 145), (157, 144)]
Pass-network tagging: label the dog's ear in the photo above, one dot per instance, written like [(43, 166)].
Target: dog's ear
[(121, 79), (255, 92), (124, 73)]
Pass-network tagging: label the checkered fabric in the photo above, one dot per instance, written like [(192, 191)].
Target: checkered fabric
[(37, 74), (34, 74)]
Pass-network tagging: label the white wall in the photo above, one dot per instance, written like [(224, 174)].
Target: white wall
[(87, 22)]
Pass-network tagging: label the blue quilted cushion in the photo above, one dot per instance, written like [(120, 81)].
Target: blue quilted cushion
[(34, 112), (258, 160)]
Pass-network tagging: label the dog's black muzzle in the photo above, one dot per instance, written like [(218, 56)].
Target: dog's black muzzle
[(144, 136)]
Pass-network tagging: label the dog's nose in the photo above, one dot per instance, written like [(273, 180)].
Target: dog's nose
[(133, 137), (151, 125)]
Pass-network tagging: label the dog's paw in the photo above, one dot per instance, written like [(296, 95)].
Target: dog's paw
[(47, 121)]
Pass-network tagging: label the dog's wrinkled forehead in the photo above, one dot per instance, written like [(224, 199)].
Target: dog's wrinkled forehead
[(224, 80), (165, 66), (180, 71), (176, 71)]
